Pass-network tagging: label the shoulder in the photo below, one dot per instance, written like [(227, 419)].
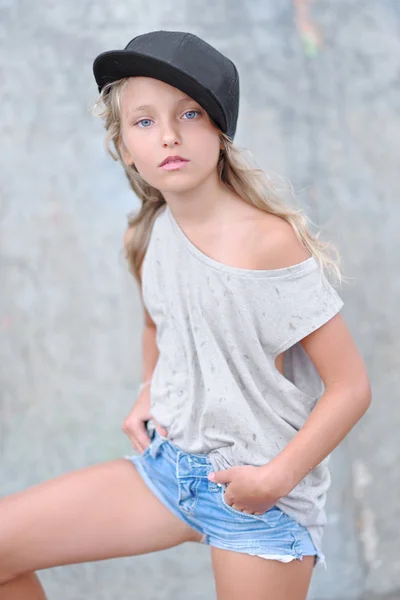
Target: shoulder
[(279, 246)]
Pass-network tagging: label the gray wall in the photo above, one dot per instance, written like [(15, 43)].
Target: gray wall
[(70, 317)]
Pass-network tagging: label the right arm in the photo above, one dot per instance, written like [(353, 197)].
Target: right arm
[(134, 424), (149, 346)]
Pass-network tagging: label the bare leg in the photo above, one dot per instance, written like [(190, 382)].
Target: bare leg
[(23, 588), (99, 512), (240, 576)]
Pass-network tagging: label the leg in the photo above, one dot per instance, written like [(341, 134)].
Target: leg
[(239, 576), (22, 588), (99, 512)]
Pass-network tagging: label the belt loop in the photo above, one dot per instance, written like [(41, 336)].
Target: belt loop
[(155, 444)]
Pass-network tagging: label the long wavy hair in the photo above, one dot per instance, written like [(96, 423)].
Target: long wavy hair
[(235, 170)]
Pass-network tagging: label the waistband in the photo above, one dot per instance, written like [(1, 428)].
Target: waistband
[(187, 464)]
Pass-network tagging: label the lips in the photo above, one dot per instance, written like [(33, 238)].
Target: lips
[(173, 159)]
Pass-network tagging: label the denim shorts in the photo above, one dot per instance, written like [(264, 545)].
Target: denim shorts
[(180, 481)]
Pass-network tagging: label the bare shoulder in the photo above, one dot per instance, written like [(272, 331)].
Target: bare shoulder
[(279, 245)]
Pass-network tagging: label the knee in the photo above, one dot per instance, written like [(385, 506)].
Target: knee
[(9, 570), (12, 544), (22, 586), (6, 577)]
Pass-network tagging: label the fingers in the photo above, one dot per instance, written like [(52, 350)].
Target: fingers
[(135, 428), (246, 512), (161, 430), (224, 476), (137, 433)]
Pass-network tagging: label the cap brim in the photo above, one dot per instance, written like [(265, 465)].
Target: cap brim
[(117, 64)]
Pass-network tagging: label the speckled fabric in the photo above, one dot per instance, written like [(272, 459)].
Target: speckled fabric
[(215, 386)]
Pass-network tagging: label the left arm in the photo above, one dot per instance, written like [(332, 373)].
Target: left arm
[(346, 398)]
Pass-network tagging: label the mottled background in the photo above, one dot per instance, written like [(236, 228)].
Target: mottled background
[(320, 106)]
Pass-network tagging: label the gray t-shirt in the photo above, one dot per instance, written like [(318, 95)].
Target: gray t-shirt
[(215, 386)]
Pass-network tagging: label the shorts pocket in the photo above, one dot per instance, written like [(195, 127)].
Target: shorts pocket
[(270, 517)]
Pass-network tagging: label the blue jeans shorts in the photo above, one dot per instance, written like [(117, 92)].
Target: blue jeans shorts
[(180, 481)]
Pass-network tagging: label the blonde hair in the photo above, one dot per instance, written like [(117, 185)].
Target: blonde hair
[(238, 174)]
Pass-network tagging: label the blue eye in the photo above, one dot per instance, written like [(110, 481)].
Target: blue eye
[(142, 123), (192, 112)]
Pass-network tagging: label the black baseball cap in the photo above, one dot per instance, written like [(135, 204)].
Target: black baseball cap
[(186, 62)]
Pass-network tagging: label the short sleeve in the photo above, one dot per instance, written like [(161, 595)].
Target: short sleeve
[(306, 301)]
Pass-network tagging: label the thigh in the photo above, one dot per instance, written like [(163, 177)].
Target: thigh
[(98, 512), (239, 576)]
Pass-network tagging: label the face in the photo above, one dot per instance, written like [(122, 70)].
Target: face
[(159, 121)]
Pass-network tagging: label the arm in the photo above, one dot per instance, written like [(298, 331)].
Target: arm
[(347, 393), (134, 424), (346, 398), (149, 347)]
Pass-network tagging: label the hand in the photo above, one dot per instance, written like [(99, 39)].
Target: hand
[(134, 427), (252, 490)]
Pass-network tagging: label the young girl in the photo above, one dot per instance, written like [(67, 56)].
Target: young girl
[(250, 376)]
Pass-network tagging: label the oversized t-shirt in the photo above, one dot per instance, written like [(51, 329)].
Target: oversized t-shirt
[(215, 386)]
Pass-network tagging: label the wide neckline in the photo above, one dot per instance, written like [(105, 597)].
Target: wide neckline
[(306, 265)]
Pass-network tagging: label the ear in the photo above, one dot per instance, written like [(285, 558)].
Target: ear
[(126, 157)]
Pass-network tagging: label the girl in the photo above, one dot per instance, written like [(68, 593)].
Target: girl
[(251, 377)]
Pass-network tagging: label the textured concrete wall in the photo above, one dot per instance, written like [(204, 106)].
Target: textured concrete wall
[(69, 314)]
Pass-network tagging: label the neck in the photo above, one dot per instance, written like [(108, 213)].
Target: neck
[(204, 203)]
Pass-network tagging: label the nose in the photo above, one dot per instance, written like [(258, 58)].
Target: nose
[(170, 135)]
